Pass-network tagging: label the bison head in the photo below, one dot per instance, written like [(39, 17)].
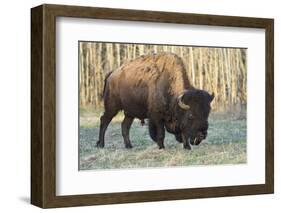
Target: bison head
[(193, 108)]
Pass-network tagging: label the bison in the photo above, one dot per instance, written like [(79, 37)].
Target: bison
[(156, 87)]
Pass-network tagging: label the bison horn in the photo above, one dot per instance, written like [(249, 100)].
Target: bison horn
[(181, 104)]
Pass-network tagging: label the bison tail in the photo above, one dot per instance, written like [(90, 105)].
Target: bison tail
[(152, 130), (105, 83)]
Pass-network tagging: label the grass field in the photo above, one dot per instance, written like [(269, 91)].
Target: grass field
[(225, 144)]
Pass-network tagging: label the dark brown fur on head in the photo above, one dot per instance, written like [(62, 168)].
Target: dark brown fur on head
[(193, 122)]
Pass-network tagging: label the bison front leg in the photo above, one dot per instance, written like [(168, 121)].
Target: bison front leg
[(126, 125), (160, 134), (186, 144)]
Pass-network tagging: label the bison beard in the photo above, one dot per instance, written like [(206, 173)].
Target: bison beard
[(156, 87)]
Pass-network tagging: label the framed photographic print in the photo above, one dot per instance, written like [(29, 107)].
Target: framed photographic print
[(137, 106)]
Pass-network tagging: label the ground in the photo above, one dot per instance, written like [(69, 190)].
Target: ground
[(225, 144)]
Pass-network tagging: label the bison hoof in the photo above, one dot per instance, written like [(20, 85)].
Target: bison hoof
[(162, 147), (128, 146), (187, 147), (99, 144)]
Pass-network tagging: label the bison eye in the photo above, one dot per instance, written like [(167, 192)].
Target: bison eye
[(190, 116)]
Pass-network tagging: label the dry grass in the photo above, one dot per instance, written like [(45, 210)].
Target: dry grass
[(225, 144)]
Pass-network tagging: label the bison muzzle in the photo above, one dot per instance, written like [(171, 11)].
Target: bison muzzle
[(156, 87)]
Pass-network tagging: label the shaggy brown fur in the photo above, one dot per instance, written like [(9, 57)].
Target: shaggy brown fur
[(147, 87)]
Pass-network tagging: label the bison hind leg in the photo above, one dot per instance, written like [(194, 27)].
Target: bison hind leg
[(152, 130), (126, 125), (105, 119)]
